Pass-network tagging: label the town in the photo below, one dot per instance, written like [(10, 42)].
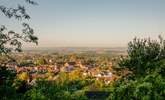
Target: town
[(37, 66)]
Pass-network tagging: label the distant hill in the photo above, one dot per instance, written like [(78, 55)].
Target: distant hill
[(100, 50)]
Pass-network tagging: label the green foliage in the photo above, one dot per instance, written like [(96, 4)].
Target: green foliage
[(150, 87), (142, 53), (7, 92), (45, 90), (34, 94), (146, 60), (41, 61), (6, 74)]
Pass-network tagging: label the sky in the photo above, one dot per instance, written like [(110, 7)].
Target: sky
[(92, 23)]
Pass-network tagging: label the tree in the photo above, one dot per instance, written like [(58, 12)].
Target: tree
[(23, 76), (11, 41), (142, 53), (41, 61), (146, 60)]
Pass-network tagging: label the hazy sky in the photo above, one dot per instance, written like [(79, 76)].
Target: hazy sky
[(93, 22)]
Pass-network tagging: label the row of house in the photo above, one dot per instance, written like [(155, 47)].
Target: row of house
[(39, 71)]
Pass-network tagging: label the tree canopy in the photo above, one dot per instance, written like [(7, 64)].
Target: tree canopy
[(11, 41)]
